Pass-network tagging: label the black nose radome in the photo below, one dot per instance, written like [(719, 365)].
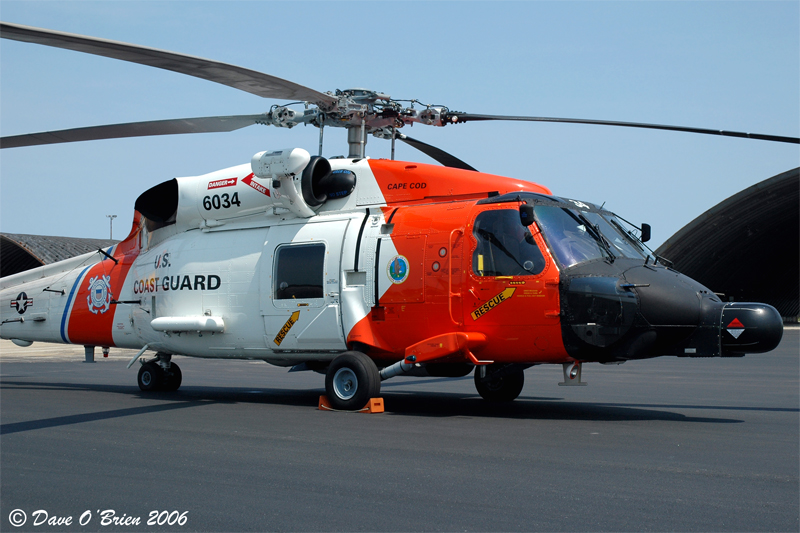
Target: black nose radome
[(750, 328), (667, 298), (642, 311)]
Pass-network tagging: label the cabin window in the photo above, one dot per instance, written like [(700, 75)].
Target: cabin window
[(505, 247), (299, 271)]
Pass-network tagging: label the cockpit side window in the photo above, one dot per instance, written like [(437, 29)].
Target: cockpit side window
[(505, 247)]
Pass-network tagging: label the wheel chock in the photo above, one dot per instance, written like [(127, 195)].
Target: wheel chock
[(374, 406)]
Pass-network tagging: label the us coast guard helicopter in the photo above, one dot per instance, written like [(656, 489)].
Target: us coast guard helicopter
[(365, 269)]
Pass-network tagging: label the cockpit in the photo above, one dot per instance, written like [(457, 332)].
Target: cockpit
[(576, 236), (575, 232), (505, 247)]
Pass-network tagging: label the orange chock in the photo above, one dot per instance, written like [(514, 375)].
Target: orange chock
[(324, 404), (374, 405)]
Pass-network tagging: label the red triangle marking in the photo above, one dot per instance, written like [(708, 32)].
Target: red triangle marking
[(735, 324)]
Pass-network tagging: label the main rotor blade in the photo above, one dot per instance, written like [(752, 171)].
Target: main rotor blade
[(435, 153), (455, 118), (240, 78), (133, 129)]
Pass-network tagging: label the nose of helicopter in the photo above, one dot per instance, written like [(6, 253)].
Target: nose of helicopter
[(676, 305), (647, 311), (749, 328)]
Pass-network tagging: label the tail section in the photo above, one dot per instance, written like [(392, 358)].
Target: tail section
[(71, 301)]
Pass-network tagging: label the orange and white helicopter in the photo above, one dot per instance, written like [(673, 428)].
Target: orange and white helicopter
[(365, 269)]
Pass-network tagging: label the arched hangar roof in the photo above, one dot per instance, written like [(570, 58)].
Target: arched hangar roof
[(747, 246), (20, 252)]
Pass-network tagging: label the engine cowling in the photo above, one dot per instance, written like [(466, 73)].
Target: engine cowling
[(289, 179)]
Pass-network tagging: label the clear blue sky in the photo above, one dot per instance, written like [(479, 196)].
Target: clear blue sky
[(725, 65)]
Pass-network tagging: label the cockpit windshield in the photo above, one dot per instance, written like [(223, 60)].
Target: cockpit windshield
[(620, 244), (567, 235), (576, 236)]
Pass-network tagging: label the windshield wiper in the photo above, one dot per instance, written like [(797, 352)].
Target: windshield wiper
[(592, 230), (633, 238), (628, 235), (602, 240)]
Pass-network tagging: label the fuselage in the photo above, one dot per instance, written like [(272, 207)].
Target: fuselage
[(397, 259)]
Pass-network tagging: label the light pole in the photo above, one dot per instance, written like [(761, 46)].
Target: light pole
[(111, 225)]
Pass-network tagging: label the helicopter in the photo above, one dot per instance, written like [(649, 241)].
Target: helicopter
[(365, 269)]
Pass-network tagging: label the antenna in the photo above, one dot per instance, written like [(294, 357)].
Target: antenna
[(111, 225)]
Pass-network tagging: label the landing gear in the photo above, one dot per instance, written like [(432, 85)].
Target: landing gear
[(499, 383), (173, 378), (159, 374), (352, 379), (150, 377)]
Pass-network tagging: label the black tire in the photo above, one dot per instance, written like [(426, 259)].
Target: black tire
[(504, 388), (151, 377), (352, 379), (173, 378)]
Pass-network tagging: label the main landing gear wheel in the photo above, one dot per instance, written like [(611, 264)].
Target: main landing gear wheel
[(173, 378), (501, 384), (150, 377), (352, 379)]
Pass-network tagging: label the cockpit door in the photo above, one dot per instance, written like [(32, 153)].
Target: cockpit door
[(512, 283)]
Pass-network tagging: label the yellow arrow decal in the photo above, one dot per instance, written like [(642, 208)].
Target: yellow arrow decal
[(494, 302), (286, 327)]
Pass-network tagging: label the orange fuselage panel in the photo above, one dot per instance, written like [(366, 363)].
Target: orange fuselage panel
[(442, 292)]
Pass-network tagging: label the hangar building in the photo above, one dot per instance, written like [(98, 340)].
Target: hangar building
[(20, 252), (748, 246)]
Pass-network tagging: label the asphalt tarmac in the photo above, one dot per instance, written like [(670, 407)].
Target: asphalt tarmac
[(661, 445)]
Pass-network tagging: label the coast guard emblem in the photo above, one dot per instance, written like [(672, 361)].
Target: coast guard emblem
[(99, 298)]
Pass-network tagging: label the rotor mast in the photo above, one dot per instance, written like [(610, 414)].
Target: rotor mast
[(357, 140)]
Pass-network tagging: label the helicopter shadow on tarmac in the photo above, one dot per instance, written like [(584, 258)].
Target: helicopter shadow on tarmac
[(533, 408), (427, 404)]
